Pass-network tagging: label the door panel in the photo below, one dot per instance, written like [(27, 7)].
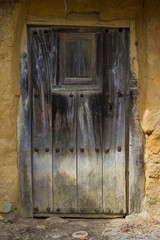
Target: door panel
[(115, 124), (89, 152), (79, 137), (64, 153), (41, 119)]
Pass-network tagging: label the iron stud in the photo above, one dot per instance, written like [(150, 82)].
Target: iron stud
[(96, 150), (107, 150), (58, 210), (82, 150), (71, 149), (48, 209), (57, 150), (72, 210), (119, 148), (97, 210), (36, 209), (47, 149), (36, 149), (36, 95)]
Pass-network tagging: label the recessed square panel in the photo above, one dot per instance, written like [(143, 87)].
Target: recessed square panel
[(77, 58)]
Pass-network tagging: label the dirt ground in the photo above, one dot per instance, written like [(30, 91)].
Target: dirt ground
[(93, 229)]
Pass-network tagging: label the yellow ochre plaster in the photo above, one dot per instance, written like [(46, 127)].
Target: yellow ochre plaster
[(146, 43)]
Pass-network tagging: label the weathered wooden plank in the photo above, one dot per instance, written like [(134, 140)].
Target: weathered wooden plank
[(80, 215), (24, 139), (116, 83), (136, 157), (41, 64), (89, 152), (64, 153)]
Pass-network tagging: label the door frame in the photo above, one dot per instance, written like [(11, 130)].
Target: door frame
[(135, 166)]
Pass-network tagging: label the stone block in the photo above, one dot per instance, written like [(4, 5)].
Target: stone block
[(6, 207)]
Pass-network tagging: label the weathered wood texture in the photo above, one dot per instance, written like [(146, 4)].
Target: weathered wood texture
[(41, 76), (115, 128), (90, 142), (64, 153), (24, 142), (89, 152), (136, 157), (79, 63)]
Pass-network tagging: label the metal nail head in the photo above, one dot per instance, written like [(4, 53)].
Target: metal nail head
[(36, 149), (82, 150), (47, 149)]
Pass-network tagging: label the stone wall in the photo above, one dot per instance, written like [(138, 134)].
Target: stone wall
[(147, 17)]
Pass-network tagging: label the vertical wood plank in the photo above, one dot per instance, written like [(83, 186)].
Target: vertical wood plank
[(89, 152), (24, 135), (41, 64), (136, 157), (116, 90), (64, 153)]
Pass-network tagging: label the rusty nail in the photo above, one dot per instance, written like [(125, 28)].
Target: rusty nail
[(97, 150), (47, 149), (71, 95), (35, 32), (82, 209), (110, 107), (107, 150), (36, 95), (36, 149), (36, 209), (121, 210), (120, 29), (97, 210), (108, 210), (48, 209), (71, 149), (119, 148), (82, 150), (58, 209), (57, 149), (120, 94), (72, 210), (106, 30), (45, 31), (81, 95)]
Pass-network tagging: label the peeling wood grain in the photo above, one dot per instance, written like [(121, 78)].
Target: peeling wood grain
[(24, 142), (89, 152), (113, 178), (136, 157), (41, 78), (64, 153), (116, 89)]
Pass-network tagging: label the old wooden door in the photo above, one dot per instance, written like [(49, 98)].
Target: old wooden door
[(80, 101)]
